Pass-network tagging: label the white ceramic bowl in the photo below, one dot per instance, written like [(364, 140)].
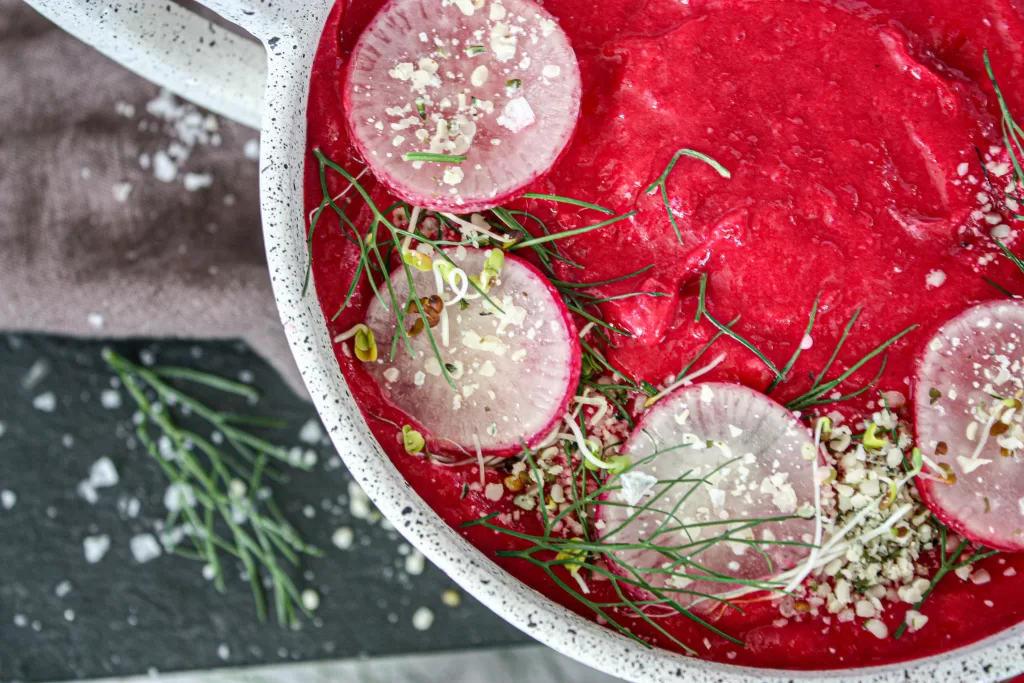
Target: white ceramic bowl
[(231, 76)]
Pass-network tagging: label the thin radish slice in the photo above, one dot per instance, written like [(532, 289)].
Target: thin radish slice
[(498, 84), (757, 463), (514, 356), (970, 425)]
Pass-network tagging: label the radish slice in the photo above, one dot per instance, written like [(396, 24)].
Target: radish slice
[(970, 380), (498, 84), (758, 465), (515, 369)]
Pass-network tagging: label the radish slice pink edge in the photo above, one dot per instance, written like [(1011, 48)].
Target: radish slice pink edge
[(964, 430), (498, 84), (756, 459), (515, 369)]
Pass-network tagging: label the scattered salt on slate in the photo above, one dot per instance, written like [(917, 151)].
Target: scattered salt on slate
[(36, 374), (144, 548), (422, 619), (95, 547), (46, 402), (110, 398), (132, 511)]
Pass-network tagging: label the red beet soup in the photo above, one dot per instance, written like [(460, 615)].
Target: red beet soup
[(844, 195)]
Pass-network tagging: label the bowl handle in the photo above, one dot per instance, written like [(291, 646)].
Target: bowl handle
[(177, 49)]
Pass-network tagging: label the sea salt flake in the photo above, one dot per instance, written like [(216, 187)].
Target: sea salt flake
[(46, 402), (121, 192), (311, 432), (103, 474), (517, 115), (194, 182), (935, 278), (144, 548), (635, 485), (252, 149), (343, 537), (179, 495), (415, 563), (164, 169), (422, 619), (110, 399), (95, 547)]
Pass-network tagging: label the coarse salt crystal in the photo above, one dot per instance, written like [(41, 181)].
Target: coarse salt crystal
[(110, 399), (310, 599), (196, 181), (935, 278), (144, 548), (95, 547), (164, 169), (343, 537), (311, 432), (415, 563), (46, 402), (517, 115), (121, 192), (422, 619)]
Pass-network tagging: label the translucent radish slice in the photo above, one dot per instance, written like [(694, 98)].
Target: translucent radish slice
[(497, 83), (756, 460), (515, 369), (970, 379)]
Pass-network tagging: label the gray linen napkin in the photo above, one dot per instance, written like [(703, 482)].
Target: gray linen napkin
[(122, 221)]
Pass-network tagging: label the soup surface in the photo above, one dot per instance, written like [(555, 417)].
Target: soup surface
[(855, 134)]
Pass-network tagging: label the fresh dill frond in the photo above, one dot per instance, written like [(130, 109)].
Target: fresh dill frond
[(437, 158), (799, 348), (813, 396), (1010, 255), (585, 285), (569, 200), (702, 311), (1011, 131), (662, 181), (594, 556), (949, 562), (573, 232), (224, 508)]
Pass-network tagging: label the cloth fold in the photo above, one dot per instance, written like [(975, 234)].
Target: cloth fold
[(124, 212)]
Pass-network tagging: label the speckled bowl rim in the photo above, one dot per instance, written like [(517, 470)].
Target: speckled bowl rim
[(297, 31)]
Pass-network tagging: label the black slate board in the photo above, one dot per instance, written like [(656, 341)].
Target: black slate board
[(131, 618)]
